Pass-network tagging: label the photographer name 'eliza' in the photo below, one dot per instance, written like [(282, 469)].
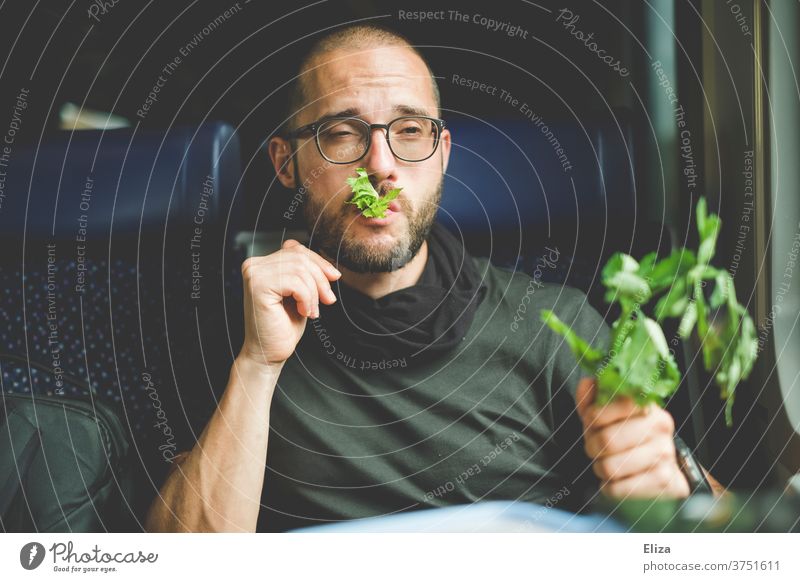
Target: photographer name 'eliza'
[(656, 549)]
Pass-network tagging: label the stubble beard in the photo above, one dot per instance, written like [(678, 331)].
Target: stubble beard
[(331, 234)]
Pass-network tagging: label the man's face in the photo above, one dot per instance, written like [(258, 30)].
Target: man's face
[(376, 85)]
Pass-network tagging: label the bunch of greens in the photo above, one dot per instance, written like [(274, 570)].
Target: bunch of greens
[(366, 198), (639, 363)]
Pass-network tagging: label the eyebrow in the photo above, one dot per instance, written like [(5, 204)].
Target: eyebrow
[(355, 112)]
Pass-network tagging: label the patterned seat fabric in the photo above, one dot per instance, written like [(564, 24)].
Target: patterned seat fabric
[(126, 316)]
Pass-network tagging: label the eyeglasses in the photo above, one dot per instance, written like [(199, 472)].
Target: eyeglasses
[(344, 140)]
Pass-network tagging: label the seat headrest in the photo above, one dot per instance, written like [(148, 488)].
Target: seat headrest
[(120, 181), (525, 175)]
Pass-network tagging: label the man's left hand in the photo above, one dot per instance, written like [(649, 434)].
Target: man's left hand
[(632, 448)]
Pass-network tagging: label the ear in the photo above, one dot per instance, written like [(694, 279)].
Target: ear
[(445, 143), (280, 152)]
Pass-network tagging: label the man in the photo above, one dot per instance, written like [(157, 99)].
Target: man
[(379, 372)]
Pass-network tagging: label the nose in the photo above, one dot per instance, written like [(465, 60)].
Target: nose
[(380, 160)]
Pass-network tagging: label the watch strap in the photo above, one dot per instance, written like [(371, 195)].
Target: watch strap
[(691, 468)]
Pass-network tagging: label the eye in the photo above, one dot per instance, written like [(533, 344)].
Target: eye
[(340, 130), (408, 129)]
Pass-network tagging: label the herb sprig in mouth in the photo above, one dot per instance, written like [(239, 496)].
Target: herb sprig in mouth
[(366, 198)]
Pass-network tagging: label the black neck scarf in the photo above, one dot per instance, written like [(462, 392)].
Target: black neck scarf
[(418, 322)]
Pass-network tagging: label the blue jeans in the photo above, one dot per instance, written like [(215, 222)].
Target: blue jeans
[(484, 516)]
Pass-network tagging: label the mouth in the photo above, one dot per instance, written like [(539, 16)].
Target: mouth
[(394, 209)]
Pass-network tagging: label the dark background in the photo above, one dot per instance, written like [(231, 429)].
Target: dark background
[(238, 73)]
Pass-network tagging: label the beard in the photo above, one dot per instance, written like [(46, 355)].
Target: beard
[(329, 232)]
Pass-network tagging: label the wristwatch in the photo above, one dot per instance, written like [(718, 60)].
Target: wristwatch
[(691, 468)]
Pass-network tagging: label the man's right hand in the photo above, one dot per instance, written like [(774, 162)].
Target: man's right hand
[(280, 291), (219, 485)]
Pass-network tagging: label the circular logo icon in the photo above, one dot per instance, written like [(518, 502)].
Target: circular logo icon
[(31, 555)]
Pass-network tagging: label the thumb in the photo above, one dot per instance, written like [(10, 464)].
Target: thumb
[(584, 395)]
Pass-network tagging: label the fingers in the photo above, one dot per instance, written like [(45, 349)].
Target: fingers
[(322, 270), (330, 271), (634, 455), (585, 395), (296, 272), (626, 434), (302, 288), (267, 283), (663, 480), (313, 272), (597, 417), (632, 448), (641, 459), (323, 286)]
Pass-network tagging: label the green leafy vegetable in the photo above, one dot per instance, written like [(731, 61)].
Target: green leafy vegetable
[(587, 356), (366, 198), (639, 363)]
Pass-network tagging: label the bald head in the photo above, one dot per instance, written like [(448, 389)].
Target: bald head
[(355, 38)]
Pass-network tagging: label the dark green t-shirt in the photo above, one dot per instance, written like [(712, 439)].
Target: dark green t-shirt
[(492, 419)]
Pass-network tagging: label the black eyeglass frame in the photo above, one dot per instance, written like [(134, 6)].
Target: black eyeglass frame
[(314, 127)]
